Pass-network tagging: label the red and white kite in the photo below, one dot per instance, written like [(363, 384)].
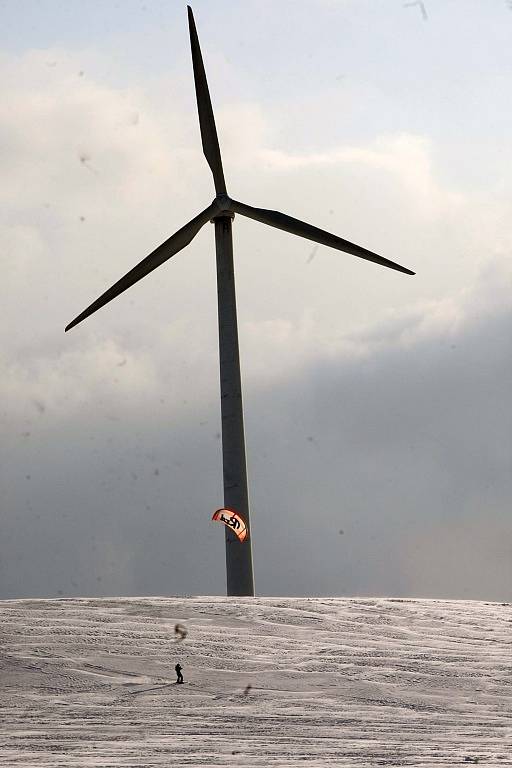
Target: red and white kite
[(232, 520)]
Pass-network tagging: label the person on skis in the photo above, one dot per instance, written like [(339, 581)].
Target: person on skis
[(178, 669)]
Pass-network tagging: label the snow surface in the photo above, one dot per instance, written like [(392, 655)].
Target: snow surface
[(345, 682)]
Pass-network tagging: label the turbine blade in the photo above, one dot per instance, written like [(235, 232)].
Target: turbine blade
[(175, 243), (300, 228), (204, 107)]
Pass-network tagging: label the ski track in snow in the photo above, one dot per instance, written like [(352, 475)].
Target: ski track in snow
[(335, 682)]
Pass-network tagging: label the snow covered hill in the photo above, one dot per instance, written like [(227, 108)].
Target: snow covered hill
[(334, 682)]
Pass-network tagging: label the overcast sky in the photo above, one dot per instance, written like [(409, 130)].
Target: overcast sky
[(378, 406)]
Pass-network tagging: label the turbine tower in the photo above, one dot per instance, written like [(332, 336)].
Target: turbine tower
[(221, 212)]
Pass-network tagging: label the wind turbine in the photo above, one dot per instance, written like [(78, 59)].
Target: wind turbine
[(221, 212)]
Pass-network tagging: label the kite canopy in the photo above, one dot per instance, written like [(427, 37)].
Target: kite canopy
[(233, 520)]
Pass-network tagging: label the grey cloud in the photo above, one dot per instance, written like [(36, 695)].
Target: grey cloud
[(408, 450)]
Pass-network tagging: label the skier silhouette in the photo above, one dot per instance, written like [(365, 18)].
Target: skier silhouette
[(178, 669)]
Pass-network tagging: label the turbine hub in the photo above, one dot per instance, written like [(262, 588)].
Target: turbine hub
[(223, 203)]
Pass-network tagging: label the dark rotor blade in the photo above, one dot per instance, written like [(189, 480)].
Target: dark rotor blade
[(300, 228), (175, 243), (204, 107)]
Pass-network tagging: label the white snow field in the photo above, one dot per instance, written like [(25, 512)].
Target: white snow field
[(344, 682)]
